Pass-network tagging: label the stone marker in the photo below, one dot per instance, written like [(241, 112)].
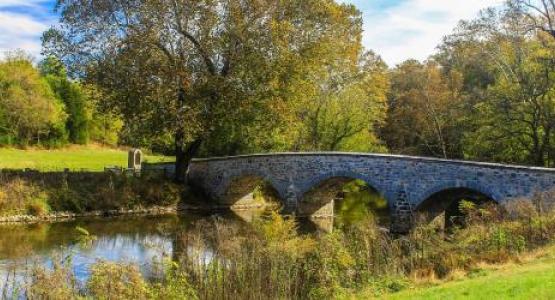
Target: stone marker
[(135, 159)]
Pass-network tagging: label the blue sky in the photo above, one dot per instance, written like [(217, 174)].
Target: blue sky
[(395, 29)]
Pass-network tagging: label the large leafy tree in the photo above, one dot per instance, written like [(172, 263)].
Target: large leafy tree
[(188, 68), (348, 106)]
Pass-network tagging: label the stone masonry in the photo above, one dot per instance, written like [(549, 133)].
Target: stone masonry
[(404, 181)]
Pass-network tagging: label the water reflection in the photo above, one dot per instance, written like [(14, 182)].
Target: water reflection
[(138, 240)]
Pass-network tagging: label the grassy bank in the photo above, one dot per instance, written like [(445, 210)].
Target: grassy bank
[(532, 279), (93, 158)]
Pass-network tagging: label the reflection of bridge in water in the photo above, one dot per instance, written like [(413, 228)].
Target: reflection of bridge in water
[(409, 184)]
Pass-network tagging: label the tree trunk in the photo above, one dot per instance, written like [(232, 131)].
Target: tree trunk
[(183, 155), (183, 158)]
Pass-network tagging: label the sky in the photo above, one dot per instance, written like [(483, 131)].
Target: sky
[(395, 29)]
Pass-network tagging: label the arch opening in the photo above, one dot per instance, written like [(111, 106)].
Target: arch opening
[(446, 208), (250, 191), (347, 200)]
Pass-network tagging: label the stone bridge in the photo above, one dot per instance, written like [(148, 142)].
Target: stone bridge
[(405, 182)]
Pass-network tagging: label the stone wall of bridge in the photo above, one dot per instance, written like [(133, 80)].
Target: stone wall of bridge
[(404, 181)]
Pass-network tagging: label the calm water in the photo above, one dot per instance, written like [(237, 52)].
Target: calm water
[(139, 240)]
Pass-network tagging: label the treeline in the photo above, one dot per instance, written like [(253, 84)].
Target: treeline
[(40, 105), (488, 94), (259, 77)]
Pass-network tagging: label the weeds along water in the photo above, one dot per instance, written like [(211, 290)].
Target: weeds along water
[(39, 194), (215, 258)]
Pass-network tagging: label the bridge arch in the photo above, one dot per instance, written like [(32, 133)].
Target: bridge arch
[(448, 185), (445, 199), (318, 180), (325, 196), (239, 189)]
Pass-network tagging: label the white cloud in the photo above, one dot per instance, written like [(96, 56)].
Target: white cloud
[(22, 23), (395, 29), (21, 3), (19, 31), (414, 28)]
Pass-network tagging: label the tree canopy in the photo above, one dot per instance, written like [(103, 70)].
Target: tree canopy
[(191, 70)]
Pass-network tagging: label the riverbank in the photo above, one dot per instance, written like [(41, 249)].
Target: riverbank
[(63, 216), (531, 276), (150, 211), (35, 196), (213, 258)]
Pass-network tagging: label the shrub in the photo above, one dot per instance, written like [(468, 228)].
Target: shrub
[(57, 283), (38, 207), (18, 196), (174, 284), (117, 281)]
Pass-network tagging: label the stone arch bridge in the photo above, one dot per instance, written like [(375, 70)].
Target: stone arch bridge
[(405, 182)]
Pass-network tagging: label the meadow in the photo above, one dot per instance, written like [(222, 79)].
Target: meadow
[(75, 158)]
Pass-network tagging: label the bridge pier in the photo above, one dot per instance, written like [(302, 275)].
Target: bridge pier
[(402, 214), (291, 199)]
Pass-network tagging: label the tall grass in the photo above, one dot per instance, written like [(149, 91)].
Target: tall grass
[(271, 260)]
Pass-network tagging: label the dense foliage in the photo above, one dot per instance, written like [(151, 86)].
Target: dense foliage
[(42, 106), (29, 111), (224, 77)]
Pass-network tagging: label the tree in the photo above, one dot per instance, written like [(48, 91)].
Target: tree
[(349, 106), (538, 14), (425, 106), (514, 114), (73, 97), (186, 68), (29, 112)]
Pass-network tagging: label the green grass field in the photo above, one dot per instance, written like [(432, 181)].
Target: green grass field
[(92, 158), (532, 280)]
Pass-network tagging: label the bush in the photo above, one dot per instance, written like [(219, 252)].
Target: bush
[(57, 283), (38, 207), (117, 281), (20, 197)]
